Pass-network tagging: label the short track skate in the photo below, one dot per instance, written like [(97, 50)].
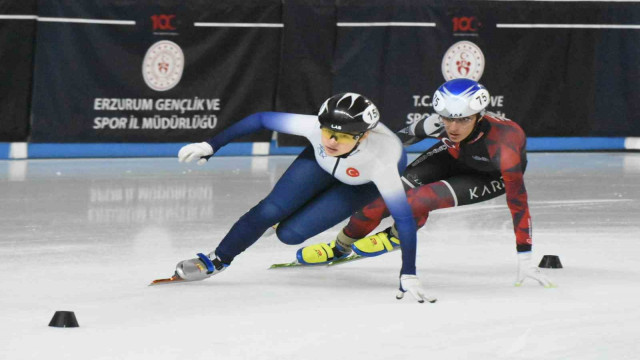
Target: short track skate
[(196, 269)]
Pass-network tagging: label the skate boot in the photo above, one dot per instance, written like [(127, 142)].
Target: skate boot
[(321, 253), (377, 244), (200, 268)]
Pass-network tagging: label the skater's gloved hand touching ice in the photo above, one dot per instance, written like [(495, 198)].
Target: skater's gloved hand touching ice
[(196, 151), (526, 269), (411, 284)]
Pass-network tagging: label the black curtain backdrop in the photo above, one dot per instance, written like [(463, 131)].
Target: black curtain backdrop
[(16, 69), (307, 54), (89, 83), (617, 100), (542, 78)]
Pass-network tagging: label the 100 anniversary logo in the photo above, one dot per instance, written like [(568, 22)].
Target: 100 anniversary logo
[(163, 65), (463, 59)]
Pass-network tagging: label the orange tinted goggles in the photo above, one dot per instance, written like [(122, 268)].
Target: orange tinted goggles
[(340, 137)]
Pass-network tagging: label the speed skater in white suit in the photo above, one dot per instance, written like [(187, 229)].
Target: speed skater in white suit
[(352, 159)]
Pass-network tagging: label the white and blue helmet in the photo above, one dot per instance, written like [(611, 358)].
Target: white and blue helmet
[(459, 98)]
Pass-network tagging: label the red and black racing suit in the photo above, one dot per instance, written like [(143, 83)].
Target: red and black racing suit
[(490, 162)]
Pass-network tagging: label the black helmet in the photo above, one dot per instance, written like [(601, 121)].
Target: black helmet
[(349, 113)]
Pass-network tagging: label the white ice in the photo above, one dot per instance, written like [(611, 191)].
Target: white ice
[(89, 235)]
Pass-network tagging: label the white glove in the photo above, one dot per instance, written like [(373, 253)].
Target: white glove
[(411, 284), (527, 270), (201, 151)]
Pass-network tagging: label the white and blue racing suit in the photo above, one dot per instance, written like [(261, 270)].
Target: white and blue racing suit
[(318, 191)]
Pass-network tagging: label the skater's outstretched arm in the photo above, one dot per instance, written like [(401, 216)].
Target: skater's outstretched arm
[(506, 144), (392, 191), (295, 124)]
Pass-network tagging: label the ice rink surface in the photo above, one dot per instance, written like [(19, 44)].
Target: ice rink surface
[(89, 235)]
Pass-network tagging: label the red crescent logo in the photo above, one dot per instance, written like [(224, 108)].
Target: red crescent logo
[(353, 172)]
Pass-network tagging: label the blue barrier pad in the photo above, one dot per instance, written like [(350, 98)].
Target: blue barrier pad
[(94, 150), (551, 144), (575, 143), (285, 150), (108, 150), (4, 150)]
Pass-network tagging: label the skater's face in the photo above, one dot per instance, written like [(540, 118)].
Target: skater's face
[(459, 128), (338, 143)]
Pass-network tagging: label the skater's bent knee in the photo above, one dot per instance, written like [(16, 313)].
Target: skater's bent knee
[(289, 236), (267, 212)]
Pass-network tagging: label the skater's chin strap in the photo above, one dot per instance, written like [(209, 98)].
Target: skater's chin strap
[(344, 156)]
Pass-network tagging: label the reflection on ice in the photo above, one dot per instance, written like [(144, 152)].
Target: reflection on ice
[(150, 201), (89, 235)]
